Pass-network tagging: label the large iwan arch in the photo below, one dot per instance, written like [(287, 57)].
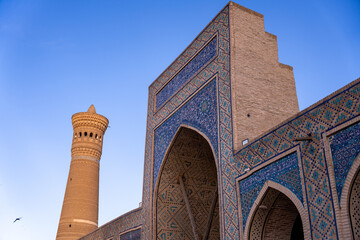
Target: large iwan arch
[(186, 194)]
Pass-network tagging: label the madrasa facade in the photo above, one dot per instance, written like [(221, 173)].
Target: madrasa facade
[(228, 155)]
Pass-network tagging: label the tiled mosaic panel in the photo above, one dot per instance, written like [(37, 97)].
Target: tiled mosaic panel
[(220, 67), (354, 207), (121, 224), (317, 120), (200, 113), (133, 235), (345, 147), (190, 155), (199, 61), (284, 171)]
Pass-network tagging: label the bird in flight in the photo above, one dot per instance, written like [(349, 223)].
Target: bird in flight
[(17, 219)]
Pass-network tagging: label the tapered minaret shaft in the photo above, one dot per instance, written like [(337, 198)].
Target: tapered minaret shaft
[(79, 214)]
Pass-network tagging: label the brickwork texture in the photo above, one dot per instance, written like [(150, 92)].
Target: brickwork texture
[(295, 177)]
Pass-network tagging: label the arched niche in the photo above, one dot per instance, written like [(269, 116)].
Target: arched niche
[(354, 207), (350, 203), (185, 197), (277, 214)]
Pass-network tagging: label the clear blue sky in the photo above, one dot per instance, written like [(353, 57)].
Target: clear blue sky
[(59, 57)]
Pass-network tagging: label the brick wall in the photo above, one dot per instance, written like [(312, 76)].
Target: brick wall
[(263, 90)]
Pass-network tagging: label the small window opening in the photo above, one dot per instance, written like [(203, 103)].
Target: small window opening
[(100, 138), (75, 136), (96, 136), (69, 225), (85, 134), (91, 134), (79, 134)]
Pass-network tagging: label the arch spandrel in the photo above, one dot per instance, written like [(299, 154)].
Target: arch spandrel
[(284, 171), (345, 149), (202, 106)]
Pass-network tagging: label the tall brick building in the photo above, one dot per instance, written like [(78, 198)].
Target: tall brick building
[(228, 155)]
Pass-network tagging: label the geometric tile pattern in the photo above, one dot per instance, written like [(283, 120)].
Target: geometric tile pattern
[(318, 119), (345, 147), (218, 67), (200, 112), (200, 60), (284, 171), (113, 229), (190, 156), (132, 235)]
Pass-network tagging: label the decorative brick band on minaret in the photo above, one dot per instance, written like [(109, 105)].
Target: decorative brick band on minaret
[(79, 214)]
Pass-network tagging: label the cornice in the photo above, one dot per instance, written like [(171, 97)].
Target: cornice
[(85, 119), (88, 123)]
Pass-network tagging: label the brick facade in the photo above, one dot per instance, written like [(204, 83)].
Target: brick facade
[(296, 172)]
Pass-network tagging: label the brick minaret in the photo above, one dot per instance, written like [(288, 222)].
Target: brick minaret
[(79, 215)]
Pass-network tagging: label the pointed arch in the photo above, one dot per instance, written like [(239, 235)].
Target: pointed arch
[(290, 195), (354, 172), (186, 188), (168, 148)]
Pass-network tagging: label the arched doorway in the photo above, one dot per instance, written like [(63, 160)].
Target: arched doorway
[(186, 204), (276, 217), (354, 207)]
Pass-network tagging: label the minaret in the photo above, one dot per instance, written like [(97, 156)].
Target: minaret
[(79, 214)]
